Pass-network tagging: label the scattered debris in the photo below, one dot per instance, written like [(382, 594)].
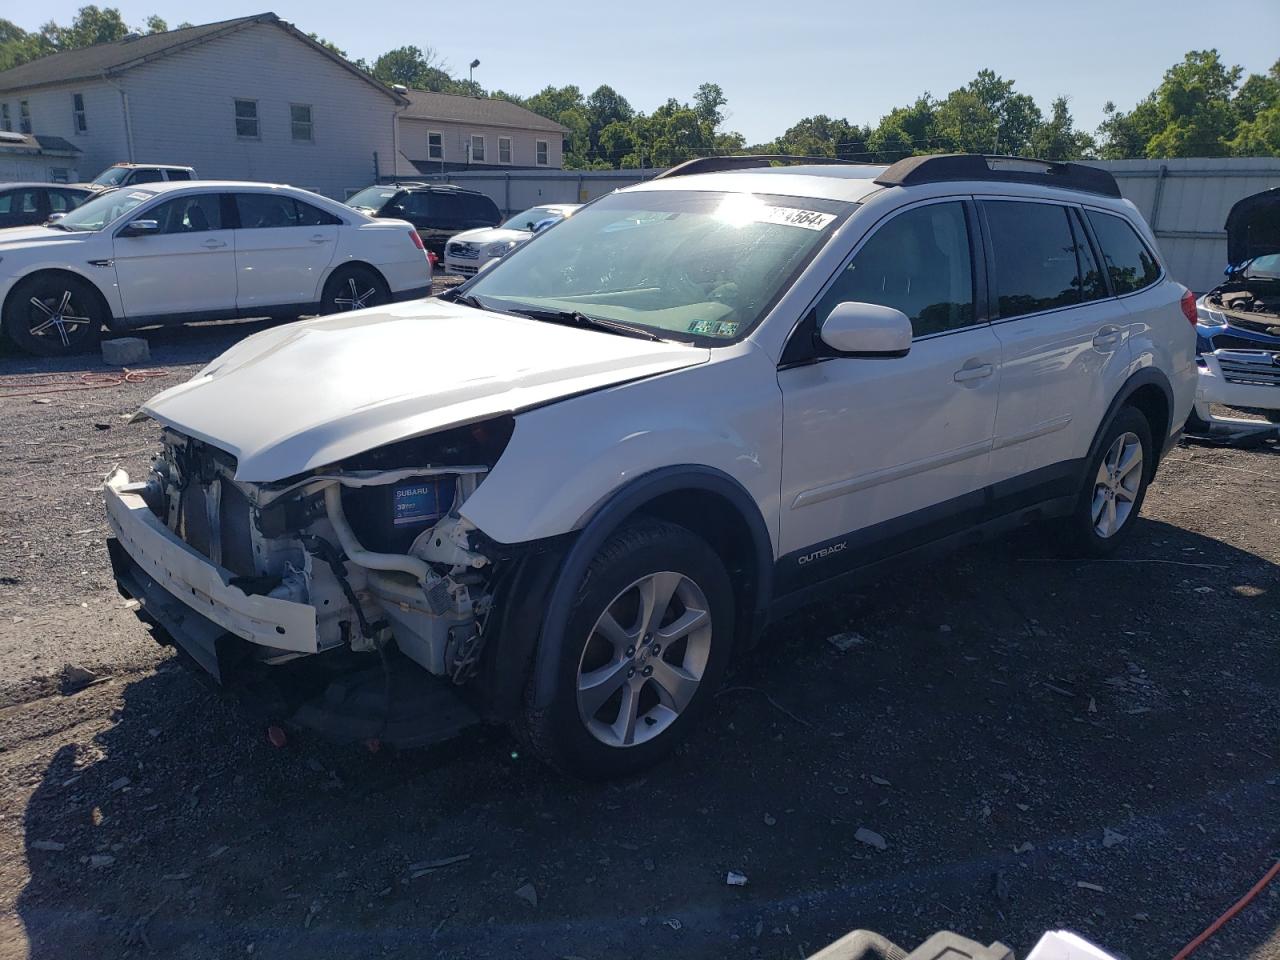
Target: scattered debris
[(1204, 589), (1058, 690), (1000, 886), (76, 678), (215, 853), (673, 923), (101, 860), (52, 845), (844, 642), (528, 894), (118, 784), (770, 820), (1086, 885), (735, 879), (1093, 706), (1110, 837), (1141, 917), (312, 912), (871, 838), (176, 876), (423, 867), (840, 791), (944, 628), (1025, 847), (879, 781)]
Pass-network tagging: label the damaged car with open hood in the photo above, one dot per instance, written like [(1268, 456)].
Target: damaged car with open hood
[(1238, 324), (560, 496)]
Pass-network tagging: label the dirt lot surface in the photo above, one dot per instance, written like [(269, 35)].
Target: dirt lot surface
[(1040, 744)]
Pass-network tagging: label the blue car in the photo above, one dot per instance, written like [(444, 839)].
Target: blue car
[(1238, 322)]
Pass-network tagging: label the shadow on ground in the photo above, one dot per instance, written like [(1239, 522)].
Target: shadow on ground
[(999, 702)]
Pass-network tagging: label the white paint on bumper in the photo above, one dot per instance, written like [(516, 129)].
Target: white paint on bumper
[(1238, 378), (197, 583)]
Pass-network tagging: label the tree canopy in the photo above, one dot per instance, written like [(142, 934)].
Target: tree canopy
[(1202, 107)]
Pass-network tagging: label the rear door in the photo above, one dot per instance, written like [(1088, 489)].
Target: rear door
[(22, 206), (186, 268), (283, 250), (1064, 345)]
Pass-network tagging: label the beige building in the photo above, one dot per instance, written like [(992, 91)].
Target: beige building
[(440, 133)]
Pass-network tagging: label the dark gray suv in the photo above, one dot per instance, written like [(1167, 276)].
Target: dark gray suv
[(438, 211)]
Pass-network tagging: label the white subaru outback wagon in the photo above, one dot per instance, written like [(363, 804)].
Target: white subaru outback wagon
[(564, 494)]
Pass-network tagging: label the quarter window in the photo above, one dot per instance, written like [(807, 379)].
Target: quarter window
[(1036, 257), (24, 117), (247, 119), (1130, 264), (919, 262), (543, 152), (265, 211), (435, 145), (300, 119), (504, 149), (6, 123), (77, 107), (477, 148)]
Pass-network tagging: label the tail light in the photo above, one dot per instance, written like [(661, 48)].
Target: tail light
[(1189, 306), (417, 240), (432, 258)]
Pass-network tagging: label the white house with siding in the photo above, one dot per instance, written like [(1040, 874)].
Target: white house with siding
[(440, 132), (252, 98)]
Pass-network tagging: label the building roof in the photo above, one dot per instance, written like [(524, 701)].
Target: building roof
[(37, 144), (107, 59), (425, 105)]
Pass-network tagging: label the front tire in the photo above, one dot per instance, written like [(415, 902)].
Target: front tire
[(54, 315), (1114, 488), (646, 646), (354, 288)]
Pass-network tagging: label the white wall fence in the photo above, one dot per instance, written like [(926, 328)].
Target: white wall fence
[(1186, 201)]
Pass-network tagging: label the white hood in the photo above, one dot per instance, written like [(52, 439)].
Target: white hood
[(307, 394), (17, 237), (491, 235)]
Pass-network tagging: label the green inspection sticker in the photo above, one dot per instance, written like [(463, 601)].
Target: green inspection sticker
[(714, 328)]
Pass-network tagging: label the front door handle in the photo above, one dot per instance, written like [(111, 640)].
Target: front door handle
[(213, 244), (1107, 337), (979, 372)]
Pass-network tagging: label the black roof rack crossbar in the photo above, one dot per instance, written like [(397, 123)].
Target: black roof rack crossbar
[(745, 162), (940, 168)]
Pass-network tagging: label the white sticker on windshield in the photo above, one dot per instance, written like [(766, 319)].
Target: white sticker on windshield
[(809, 219), (140, 196)]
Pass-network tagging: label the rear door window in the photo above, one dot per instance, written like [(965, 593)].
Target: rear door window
[(478, 211), (264, 211), (1130, 263), (145, 176), (1037, 257), (179, 174)]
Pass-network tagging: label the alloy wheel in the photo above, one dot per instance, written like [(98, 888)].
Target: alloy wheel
[(644, 659), (1116, 487), (354, 299), (56, 315)]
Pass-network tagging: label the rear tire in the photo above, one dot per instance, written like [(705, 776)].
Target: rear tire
[(354, 288), (646, 647), (1114, 488), (54, 315)]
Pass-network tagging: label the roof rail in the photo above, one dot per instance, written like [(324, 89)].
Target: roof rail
[(744, 162), (944, 167)]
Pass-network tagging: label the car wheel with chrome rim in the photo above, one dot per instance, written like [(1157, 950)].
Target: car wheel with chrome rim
[(646, 646), (354, 288), (54, 314), (1115, 484)]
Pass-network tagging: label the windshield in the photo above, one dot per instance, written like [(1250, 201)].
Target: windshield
[(1263, 268), (103, 209), (372, 198), (528, 219), (111, 177), (702, 266)]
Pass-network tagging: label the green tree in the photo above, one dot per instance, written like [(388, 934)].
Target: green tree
[(91, 25), (986, 116), (157, 24), (904, 131), (1058, 139), (417, 67)]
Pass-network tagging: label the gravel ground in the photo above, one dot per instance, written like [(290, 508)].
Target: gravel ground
[(1001, 716)]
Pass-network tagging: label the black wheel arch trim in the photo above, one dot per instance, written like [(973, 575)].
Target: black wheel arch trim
[(607, 517), (1147, 376)]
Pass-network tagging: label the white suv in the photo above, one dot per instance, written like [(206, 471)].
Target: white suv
[(562, 495), (207, 250)]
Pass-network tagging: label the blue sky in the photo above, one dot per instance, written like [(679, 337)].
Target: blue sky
[(777, 61)]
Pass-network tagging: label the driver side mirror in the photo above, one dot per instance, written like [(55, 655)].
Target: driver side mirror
[(140, 228), (543, 224), (866, 330), (55, 217)]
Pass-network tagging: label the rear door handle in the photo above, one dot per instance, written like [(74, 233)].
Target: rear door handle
[(978, 372), (213, 244), (1107, 337), (319, 238)]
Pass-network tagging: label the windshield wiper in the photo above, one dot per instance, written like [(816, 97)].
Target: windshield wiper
[(575, 318), (466, 299), (58, 225)]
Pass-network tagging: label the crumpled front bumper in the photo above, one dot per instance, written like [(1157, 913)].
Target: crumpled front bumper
[(189, 595), (1238, 378)]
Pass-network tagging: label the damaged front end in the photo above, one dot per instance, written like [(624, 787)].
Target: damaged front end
[(353, 599)]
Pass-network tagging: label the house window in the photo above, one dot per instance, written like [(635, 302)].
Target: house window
[(544, 153), (24, 117), (300, 118), (504, 149), (435, 145), (477, 148), (247, 119), (77, 107), (5, 122)]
